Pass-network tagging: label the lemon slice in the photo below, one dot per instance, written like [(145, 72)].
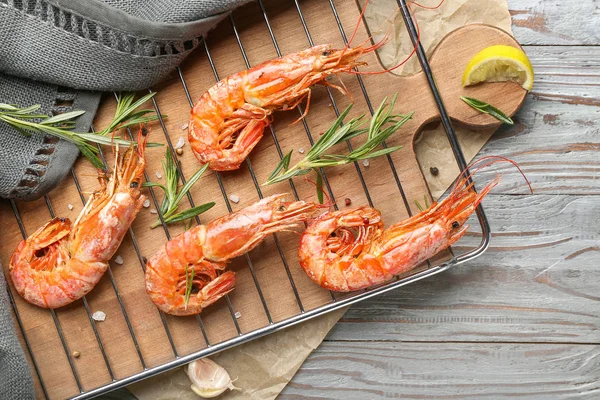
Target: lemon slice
[(498, 64)]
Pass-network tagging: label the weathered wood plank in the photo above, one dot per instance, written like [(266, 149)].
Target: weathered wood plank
[(536, 283), (555, 22), (447, 371)]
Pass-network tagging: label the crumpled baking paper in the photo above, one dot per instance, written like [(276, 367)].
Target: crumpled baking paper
[(262, 368)]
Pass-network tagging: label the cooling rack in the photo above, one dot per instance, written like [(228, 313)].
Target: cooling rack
[(59, 373)]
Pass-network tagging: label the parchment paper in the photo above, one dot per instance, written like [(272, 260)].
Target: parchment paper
[(263, 367), (260, 368)]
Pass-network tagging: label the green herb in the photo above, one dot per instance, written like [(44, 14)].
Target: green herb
[(486, 108), (381, 126), (173, 197), (425, 201), (61, 125), (189, 283), (319, 186), (127, 113)]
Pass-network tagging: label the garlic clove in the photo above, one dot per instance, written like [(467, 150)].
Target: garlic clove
[(207, 393), (208, 378)]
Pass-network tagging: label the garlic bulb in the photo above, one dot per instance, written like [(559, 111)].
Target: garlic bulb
[(208, 378)]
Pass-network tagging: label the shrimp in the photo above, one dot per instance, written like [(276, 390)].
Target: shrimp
[(350, 249), (61, 262), (205, 249), (229, 119)]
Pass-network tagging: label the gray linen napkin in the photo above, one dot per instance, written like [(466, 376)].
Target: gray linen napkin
[(15, 381), (89, 47)]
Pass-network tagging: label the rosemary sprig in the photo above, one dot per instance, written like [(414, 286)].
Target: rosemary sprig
[(127, 113), (170, 203), (381, 126), (189, 284), (61, 125), (486, 108)]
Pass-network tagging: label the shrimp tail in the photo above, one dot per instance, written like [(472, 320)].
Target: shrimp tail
[(50, 233), (216, 289), (251, 135)]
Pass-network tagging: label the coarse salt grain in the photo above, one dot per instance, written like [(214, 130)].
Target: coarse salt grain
[(234, 198), (301, 150), (180, 143), (70, 206), (99, 316), (146, 203), (119, 260), (184, 127), (366, 163), (158, 174), (238, 315), (153, 211)]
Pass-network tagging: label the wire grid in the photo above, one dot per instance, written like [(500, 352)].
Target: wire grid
[(302, 315)]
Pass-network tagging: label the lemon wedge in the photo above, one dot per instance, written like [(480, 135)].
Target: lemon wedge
[(498, 64)]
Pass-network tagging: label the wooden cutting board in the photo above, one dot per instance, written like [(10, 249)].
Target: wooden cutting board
[(134, 334)]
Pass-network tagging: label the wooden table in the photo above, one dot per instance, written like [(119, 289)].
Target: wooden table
[(523, 319)]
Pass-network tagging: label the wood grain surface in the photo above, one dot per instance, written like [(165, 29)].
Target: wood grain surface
[(135, 336), (521, 321)]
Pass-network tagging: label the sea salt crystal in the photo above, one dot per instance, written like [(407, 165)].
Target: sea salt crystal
[(301, 150), (153, 211), (70, 206), (184, 127), (366, 163), (180, 143), (158, 174), (234, 198), (99, 316), (238, 315), (119, 260), (146, 203)]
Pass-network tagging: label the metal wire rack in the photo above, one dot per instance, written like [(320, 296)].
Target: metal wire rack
[(302, 314)]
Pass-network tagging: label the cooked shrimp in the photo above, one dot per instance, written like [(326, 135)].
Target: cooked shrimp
[(350, 249), (205, 249), (61, 262), (229, 119)]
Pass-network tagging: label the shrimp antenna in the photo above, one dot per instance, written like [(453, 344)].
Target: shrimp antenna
[(329, 203), (497, 159), (414, 50), (476, 167), (427, 7), (362, 14)]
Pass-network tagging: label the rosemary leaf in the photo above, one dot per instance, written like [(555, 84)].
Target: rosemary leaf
[(379, 153), (282, 166), (191, 181), (486, 108), (319, 186), (189, 283), (419, 206), (191, 212), (64, 117)]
